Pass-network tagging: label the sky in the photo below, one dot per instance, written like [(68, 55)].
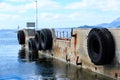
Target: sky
[(57, 13)]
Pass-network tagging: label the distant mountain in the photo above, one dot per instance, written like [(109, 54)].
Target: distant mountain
[(103, 24), (113, 24), (87, 26)]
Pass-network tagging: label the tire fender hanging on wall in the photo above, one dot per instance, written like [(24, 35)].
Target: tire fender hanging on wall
[(21, 37), (46, 39), (33, 52), (37, 40), (101, 46)]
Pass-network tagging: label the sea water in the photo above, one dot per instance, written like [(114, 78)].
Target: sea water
[(13, 68)]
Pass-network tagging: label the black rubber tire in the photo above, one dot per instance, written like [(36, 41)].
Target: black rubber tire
[(37, 40), (101, 46), (21, 37), (46, 39), (21, 54), (33, 52), (49, 39)]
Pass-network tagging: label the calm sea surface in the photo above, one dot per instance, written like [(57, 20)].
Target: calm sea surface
[(13, 68)]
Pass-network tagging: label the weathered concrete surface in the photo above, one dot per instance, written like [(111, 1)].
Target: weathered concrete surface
[(75, 52), (62, 49)]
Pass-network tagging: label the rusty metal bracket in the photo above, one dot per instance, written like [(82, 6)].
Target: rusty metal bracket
[(67, 59), (78, 63)]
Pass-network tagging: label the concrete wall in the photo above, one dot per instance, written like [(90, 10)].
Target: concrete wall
[(75, 52)]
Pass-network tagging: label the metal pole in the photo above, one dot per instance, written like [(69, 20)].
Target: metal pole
[(36, 14), (57, 34), (60, 35), (18, 27), (67, 34), (63, 35)]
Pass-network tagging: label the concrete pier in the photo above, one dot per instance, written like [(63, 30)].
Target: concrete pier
[(74, 50)]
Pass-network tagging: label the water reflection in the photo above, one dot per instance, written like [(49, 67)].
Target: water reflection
[(28, 58), (57, 70), (47, 68)]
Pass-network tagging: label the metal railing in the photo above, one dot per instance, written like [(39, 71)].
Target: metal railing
[(63, 33)]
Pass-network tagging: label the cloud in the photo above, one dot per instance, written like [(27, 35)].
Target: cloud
[(51, 12), (109, 5), (6, 7), (28, 5), (20, 13), (8, 20), (13, 20), (73, 16), (6, 17), (18, 0), (56, 17), (103, 5), (48, 4), (77, 5), (73, 19)]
